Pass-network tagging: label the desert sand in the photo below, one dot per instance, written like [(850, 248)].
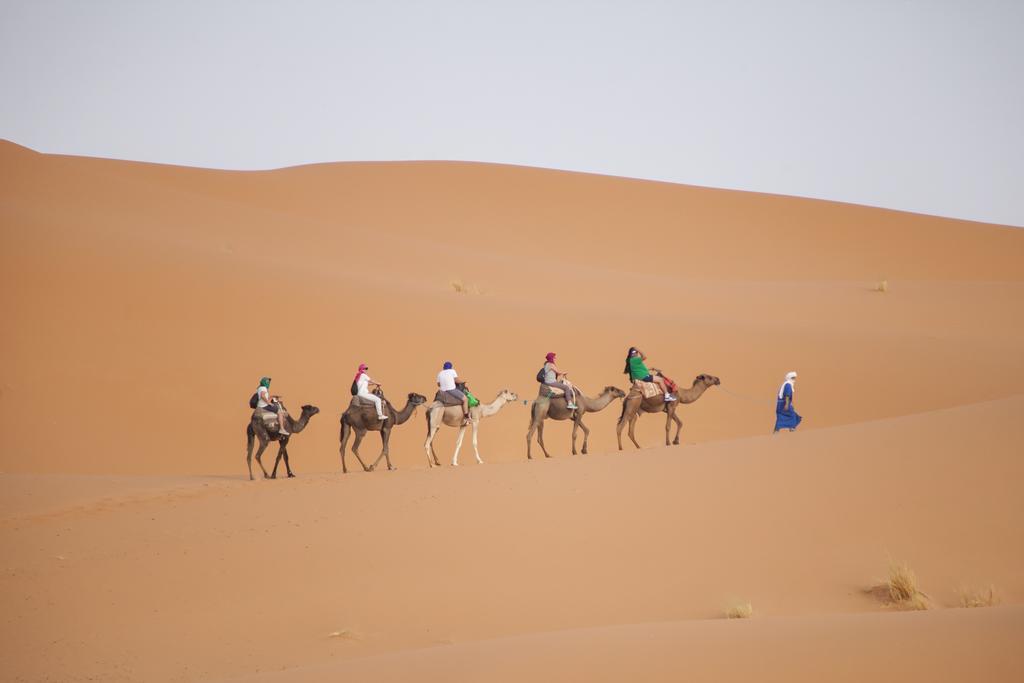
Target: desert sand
[(141, 303)]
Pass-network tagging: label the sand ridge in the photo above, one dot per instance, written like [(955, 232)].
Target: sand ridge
[(142, 303)]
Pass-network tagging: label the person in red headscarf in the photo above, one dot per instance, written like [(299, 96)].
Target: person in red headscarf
[(363, 383), (553, 377)]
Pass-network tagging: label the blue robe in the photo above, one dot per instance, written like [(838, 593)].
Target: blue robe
[(786, 419)]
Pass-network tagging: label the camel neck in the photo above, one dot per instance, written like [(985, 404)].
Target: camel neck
[(693, 393), (405, 413), (488, 409), (599, 403)]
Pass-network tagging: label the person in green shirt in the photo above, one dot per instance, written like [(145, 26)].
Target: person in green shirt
[(637, 370)]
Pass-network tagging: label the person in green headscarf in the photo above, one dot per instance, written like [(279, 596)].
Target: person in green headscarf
[(271, 404)]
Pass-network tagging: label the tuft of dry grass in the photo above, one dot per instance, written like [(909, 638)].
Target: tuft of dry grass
[(975, 597), (739, 610), (460, 287), (903, 589), (882, 286), (902, 582)]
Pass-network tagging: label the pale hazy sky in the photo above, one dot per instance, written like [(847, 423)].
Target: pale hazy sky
[(913, 105)]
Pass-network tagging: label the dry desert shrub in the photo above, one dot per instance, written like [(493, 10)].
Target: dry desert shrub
[(739, 610), (975, 597), (460, 287), (903, 590), (882, 286)]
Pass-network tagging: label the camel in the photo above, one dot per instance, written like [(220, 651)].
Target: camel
[(361, 417), (553, 407), (438, 414), (635, 403), (257, 429)]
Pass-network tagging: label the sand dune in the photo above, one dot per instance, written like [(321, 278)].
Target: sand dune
[(247, 578), (141, 303), (165, 292)]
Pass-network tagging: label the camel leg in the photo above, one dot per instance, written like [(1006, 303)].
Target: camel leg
[(360, 433), (679, 427), (277, 460), (433, 454), (586, 435), (632, 429), (540, 439), (428, 445), (621, 424), (385, 438), (476, 427), (346, 431), (287, 463), (458, 445), (531, 430), (250, 437), (668, 427), (259, 456)]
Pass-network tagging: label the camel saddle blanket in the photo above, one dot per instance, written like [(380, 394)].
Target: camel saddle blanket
[(446, 399), (269, 419), (648, 389), (360, 402), (554, 392)]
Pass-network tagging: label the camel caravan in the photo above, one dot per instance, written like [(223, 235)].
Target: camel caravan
[(454, 405)]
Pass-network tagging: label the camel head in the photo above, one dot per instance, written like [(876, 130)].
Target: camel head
[(417, 399), (310, 410), (508, 395), (707, 380), (614, 391)]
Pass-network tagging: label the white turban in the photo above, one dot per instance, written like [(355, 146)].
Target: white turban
[(790, 376)]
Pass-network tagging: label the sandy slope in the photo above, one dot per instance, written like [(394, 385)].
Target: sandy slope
[(141, 302), (953, 645), (166, 292), (243, 578)]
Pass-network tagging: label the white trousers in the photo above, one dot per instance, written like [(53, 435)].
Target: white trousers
[(376, 400)]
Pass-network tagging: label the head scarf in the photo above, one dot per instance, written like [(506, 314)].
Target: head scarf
[(550, 357), (265, 382), (362, 368), (790, 380), (447, 365)]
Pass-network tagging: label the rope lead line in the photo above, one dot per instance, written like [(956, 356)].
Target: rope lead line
[(745, 398)]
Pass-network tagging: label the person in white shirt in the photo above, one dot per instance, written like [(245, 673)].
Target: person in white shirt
[(363, 382), (264, 401), (447, 380)]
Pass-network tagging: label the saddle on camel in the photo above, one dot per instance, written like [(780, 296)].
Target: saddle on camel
[(647, 383), (367, 404), (269, 409), (554, 394), (651, 389), (272, 421), (555, 384), (448, 401)]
